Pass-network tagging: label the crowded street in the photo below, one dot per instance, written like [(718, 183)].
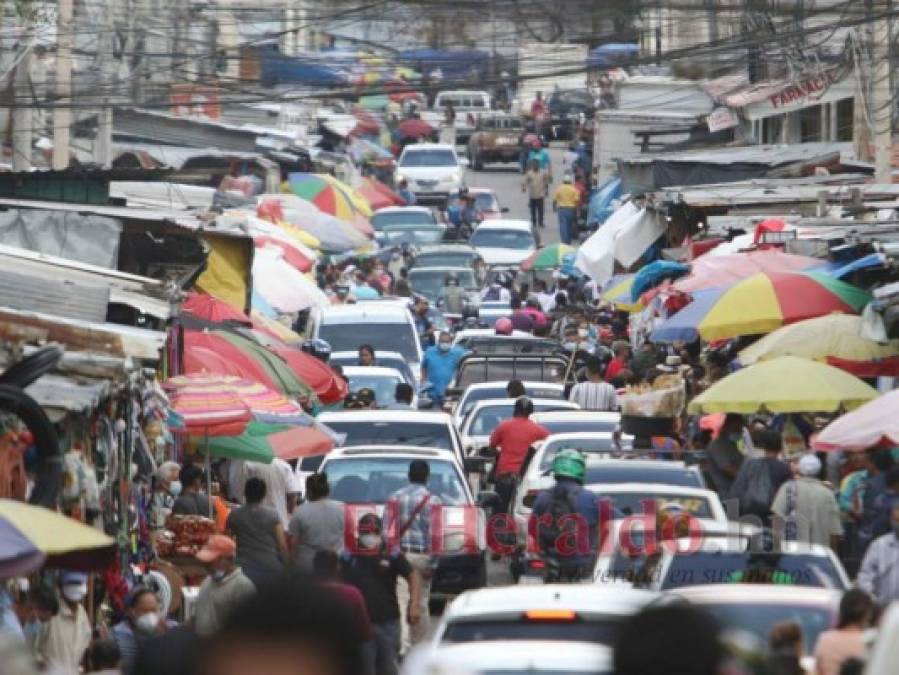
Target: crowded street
[(448, 339)]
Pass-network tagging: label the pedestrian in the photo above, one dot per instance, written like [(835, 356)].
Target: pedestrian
[(565, 203), (166, 488), (453, 296), (808, 508), (223, 589), (532, 309), (570, 159), (413, 506), (879, 571), (512, 440), (66, 637), (724, 456), (367, 355), (879, 463), (538, 107), (760, 478), (376, 571), (192, 501), (42, 604), (563, 516), (281, 486), (301, 627), (882, 504), (405, 193), (620, 361), (448, 130), (520, 319), (257, 529), (143, 619), (317, 524), (423, 325), (439, 365), (847, 639), (785, 649), (106, 658), (536, 184), (595, 393)]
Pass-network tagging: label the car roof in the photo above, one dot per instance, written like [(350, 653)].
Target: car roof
[(441, 268), (401, 451), (481, 190), (379, 354), (649, 464), (532, 656), (416, 147), (583, 598), (502, 383), (359, 312), (404, 209), (488, 402), (413, 416), (576, 435), (758, 594), (446, 248), (738, 543), (505, 224), (576, 415), (375, 371)]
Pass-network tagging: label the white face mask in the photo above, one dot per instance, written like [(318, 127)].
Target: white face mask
[(370, 541), (74, 592), (147, 623), (175, 488)]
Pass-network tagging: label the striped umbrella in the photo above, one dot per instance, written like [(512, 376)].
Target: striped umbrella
[(618, 293), (263, 442), (206, 405), (547, 258), (328, 194)]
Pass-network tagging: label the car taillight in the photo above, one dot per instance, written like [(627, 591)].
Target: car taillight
[(550, 615), (536, 564)]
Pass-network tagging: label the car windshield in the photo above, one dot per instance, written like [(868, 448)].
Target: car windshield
[(430, 282), (580, 425), (631, 503), (486, 201), (422, 434), (624, 472), (435, 157), (599, 630), (499, 391), (518, 240), (395, 337), (384, 361), (746, 567), (384, 386), (600, 445), (443, 260), (488, 417), (419, 236), (759, 618), (381, 220), (371, 480), (493, 368), (544, 671)]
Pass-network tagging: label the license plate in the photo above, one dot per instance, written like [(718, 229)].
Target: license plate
[(427, 183)]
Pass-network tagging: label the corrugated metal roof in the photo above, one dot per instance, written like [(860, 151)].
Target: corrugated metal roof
[(49, 295), (68, 394), (126, 212), (768, 155)]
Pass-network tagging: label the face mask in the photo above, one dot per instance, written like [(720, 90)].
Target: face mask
[(395, 256), (444, 346), (147, 622), (74, 592), (369, 542), (582, 332), (217, 575), (570, 346), (175, 488)]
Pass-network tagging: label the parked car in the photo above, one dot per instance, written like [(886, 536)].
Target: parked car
[(495, 139), (433, 171), (504, 242)]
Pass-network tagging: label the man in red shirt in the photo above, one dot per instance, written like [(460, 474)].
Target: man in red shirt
[(622, 351), (512, 438)]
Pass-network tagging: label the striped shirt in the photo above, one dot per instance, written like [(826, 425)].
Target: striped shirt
[(594, 396)]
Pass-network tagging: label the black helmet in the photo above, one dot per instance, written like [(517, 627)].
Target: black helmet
[(318, 348), (524, 407)]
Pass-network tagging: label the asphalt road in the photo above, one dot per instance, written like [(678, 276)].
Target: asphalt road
[(505, 179)]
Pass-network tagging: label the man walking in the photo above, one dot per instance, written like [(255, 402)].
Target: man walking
[(594, 394), (536, 184), (565, 202), (64, 638), (879, 572), (225, 587), (412, 512), (438, 366), (512, 438), (808, 507)]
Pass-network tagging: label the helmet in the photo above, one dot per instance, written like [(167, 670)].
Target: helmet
[(317, 348), (524, 407), (569, 464), (503, 326)]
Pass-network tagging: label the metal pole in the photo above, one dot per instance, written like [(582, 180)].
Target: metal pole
[(62, 115), (22, 116)]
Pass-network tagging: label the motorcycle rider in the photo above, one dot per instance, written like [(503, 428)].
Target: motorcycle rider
[(453, 296), (565, 521), (463, 213), (498, 290)]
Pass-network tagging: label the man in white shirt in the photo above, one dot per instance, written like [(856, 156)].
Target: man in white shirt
[(64, 638), (281, 486), (594, 394), (879, 571)]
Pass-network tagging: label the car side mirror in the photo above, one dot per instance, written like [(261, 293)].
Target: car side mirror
[(504, 209)]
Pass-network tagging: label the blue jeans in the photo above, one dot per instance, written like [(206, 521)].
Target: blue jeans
[(566, 224), (386, 646)]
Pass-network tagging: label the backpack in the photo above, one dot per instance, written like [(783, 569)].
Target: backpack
[(494, 293), (562, 503), (753, 488)]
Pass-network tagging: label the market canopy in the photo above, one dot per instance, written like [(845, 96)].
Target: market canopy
[(874, 424), (34, 536), (329, 195), (263, 442), (722, 271), (548, 257), (784, 385)]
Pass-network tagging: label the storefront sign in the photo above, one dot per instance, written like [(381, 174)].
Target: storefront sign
[(810, 87), (721, 118)]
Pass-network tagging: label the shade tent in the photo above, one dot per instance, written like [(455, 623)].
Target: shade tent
[(874, 424), (784, 385), (283, 287), (263, 442), (209, 308), (722, 270)]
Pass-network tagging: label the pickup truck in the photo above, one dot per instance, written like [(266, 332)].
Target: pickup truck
[(496, 138)]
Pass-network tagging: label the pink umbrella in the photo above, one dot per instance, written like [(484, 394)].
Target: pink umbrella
[(875, 424), (725, 270)]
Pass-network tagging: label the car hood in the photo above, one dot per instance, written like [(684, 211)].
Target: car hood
[(504, 256), (428, 172)]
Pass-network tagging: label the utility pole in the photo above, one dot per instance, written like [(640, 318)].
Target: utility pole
[(882, 101), (22, 115), (62, 114)]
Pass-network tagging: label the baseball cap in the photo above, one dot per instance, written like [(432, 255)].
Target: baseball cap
[(70, 578), (217, 546)]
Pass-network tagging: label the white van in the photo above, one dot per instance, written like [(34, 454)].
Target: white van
[(468, 105)]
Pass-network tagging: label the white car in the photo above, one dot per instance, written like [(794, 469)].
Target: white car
[(386, 359), (504, 242), (576, 421), (423, 428), (380, 380), (481, 391), (559, 613), (394, 216), (509, 657), (383, 325), (757, 607), (486, 415), (708, 558), (433, 171)]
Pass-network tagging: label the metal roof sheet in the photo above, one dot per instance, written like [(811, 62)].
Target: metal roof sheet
[(768, 155)]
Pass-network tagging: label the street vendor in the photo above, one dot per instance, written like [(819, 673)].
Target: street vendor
[(192, 501), (166, 489)]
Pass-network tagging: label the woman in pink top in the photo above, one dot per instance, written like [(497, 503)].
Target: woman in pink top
[(846, 640)]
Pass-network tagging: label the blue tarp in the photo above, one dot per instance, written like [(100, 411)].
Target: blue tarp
[(611, 55), (310, 70), (652, 275), (456, 65), (870, 260), (600, 206)]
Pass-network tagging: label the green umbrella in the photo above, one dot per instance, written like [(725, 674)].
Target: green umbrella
[(374, 102), (252, 445), (547, 258)]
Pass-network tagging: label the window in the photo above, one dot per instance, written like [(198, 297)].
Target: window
[(845, 119), (371, 480), (383, 386), (810, 124), (511, 239), (619, 472), (597, 445), (486, 201), (772, 129), (430, 282), (397, 337), (631, 503), (431, 157), (759, 618), (381, 220), (393, 433), (394, 236), (704, 567), (600, 630)]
